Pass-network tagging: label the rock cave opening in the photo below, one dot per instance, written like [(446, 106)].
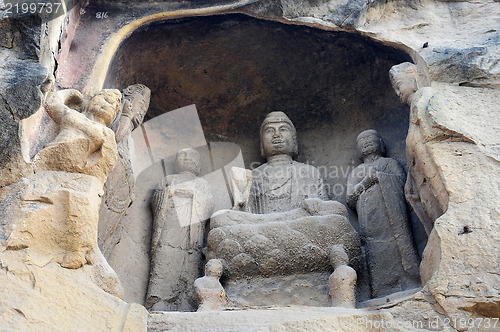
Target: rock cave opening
[(235, 69)]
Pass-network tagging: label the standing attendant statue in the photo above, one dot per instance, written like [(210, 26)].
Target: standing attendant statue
[(375, 189), (181, 204)]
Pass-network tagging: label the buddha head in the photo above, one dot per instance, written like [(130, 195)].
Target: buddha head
[(278, 136), (188, 161)]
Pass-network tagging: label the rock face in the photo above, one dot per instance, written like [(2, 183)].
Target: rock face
[(49, 224), (456, 267), (56, 228), (34, 296), (23, 80)]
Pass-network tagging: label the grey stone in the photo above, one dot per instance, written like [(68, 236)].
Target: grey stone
[(282, 184), (181, 204), (135, 104), (208, 289), (279, 243), (119, 189), (289, 227), (22, 85), (375, 189), (467, 66), (342, 282)]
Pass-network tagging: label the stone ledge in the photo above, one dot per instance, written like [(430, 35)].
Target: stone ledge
[(293, 318)]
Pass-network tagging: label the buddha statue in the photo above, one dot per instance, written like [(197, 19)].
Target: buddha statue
[(282, 184), (281, 225)]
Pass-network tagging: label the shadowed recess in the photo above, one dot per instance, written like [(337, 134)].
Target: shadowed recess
[(236, 69)]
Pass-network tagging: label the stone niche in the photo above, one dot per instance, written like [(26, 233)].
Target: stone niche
[(236, 69)]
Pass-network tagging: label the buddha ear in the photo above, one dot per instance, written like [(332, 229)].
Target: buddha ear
[(262, 153)]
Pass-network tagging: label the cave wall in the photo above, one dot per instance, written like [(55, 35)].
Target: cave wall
[(235, 69)]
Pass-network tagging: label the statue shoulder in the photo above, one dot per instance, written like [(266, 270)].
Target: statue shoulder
[(391, 165), (202, 183)]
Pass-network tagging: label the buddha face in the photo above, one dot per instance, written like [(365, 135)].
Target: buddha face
[(188, 161), (278, 138), (369, 143)]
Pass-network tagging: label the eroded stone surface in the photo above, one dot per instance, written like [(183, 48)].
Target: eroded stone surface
[(375, 189), (49, 225), (208, 289), (456, 266), (454, 42), (42, 296), (119, 189), (181, 205), (298, 318)]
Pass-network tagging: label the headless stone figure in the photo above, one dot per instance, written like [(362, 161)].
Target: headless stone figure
[(342, 282), (209, 291)]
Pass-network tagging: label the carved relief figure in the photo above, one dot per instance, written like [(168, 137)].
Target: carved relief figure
[(406, 79), (282, 184), (208, 289), (423, 179), (84, 143), (342, 282), (181, 204), (135, 104), (55, 210), (119, 190), (375, 189), (282, 224)]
